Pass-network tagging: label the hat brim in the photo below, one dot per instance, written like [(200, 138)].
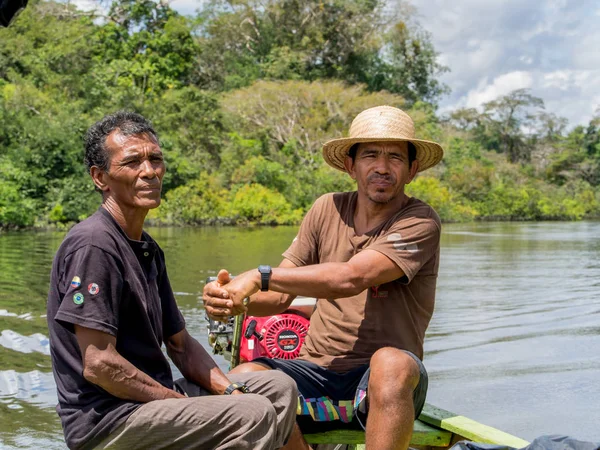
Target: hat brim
[(335, 151)]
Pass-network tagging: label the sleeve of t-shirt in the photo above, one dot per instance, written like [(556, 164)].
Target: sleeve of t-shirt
[(410, 243), (304, 249), (92, 283), (173, 321)]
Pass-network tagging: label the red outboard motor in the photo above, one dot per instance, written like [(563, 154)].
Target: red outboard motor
[(280, 336)]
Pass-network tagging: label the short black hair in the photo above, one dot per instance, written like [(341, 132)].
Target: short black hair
[(412, 152), (128, 123)]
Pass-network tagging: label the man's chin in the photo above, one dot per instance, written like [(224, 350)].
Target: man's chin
[(381, 197), (148, 203)]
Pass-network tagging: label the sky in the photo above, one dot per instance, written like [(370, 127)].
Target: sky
[(493, 47)]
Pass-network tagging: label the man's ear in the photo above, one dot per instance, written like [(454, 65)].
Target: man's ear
[(99, 178), (349, 166), (414, 168)]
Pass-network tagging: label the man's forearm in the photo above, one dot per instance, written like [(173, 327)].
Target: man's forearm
[(113, 373), (269, 303), (196, 364), (326, 280)]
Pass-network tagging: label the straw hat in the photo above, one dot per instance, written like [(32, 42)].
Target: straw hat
[(382, 124)]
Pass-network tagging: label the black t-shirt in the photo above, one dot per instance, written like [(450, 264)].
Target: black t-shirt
[(103, 280)]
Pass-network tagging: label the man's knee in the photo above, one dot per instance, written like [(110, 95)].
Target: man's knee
[(285, 385), (257, 409), (393, 373), (249, 367)]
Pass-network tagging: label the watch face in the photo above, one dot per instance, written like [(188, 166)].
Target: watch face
[(264, 269)]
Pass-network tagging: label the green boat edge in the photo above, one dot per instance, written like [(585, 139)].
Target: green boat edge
[(436, 428)]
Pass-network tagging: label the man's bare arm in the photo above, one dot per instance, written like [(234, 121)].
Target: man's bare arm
[(105, 367), (327, 280), (337, 280), (195, 363), (219, 306)]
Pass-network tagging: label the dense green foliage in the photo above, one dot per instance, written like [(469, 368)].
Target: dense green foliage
[(243, 96)]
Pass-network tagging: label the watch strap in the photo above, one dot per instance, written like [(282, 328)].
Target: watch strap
[(236, 387), (265, 277)]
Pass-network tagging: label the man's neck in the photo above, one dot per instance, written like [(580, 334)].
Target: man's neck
[(131, 220), (369, 214)]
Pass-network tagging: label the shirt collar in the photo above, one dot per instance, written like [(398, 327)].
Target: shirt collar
[(144, 248)]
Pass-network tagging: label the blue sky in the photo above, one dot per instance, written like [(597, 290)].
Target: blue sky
[(495, 46)]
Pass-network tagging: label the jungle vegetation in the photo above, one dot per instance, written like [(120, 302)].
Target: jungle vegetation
[(244, 93)]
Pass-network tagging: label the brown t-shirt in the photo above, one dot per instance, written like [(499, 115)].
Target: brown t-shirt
[(345, 332)]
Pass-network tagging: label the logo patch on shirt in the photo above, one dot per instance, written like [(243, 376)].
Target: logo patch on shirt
[(400, 245), (75, 282), (93, 288), (376, 293), (78, 298)]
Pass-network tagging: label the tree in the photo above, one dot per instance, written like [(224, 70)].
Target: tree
[(506, 122), (465, 119), (550, 127), (350, 40), (409, 65), (144, 49), (291, 120)]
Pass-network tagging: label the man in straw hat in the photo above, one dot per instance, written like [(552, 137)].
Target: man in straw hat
[(371, 258)]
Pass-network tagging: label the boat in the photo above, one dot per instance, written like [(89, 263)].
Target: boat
[(436, 429), (243, 338)]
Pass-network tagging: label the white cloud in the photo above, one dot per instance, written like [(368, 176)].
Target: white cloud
[(569, 79), (586, 53), (549, 46), (526, 59), (485, 54), (500, 86), (574, 94)]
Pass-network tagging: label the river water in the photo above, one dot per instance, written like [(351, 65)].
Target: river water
[(514, 341)]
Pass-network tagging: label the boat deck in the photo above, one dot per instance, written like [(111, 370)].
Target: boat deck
[(436, 428)]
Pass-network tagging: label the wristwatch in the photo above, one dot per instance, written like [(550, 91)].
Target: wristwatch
[(236, 387), (265, 276)]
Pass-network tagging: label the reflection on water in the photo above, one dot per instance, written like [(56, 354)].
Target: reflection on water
[(37, 342), (514, 341)]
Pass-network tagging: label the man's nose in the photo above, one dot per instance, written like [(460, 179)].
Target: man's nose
[(382, 164), (148, 170)]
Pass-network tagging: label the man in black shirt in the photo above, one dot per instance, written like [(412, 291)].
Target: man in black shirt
[(111, 307)]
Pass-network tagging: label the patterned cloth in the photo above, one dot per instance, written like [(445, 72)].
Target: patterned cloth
[(323, 409)]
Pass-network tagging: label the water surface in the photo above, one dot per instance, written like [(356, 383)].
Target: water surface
[(514, 341)]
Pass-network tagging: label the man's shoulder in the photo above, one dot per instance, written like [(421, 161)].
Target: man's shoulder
[(421, 209), (94, 231), (337, 200), (332, 207), (417, 212)]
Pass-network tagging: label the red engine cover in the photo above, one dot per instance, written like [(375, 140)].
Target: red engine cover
[(280, 336)]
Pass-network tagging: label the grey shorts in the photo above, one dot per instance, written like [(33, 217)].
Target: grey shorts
[(330, 400)]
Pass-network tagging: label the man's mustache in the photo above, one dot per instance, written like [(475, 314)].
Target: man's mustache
[(379, 177)]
